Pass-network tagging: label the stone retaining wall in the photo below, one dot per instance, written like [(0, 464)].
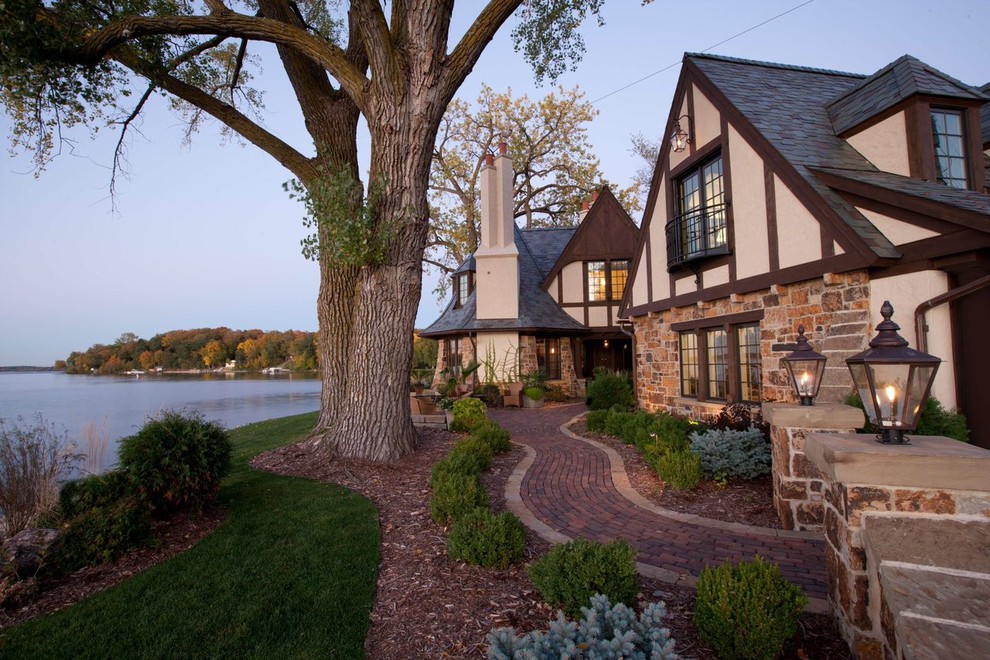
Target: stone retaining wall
[(911, 485)]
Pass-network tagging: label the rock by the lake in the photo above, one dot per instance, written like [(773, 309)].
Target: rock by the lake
[(22, 553)]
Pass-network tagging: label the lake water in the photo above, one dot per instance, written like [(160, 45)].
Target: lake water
[(117, 406)]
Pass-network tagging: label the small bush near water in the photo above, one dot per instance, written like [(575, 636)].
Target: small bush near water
[(603, 632), (733, 454), (34, 459), (100, 534), (747, 610), (484, 538), (176, 461), (571, 573)]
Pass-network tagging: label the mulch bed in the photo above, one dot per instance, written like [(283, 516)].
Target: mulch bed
[(429, 606)]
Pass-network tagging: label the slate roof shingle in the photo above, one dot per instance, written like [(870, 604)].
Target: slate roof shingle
[(903, 78), (790, 107), (538, 251)]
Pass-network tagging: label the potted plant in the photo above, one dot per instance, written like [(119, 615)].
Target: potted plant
[(532, 397)]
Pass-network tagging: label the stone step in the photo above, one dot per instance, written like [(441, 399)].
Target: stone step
[(958, 544), (927, 638), (941, 593)]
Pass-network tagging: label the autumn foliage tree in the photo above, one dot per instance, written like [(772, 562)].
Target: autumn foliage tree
[(396, 64), (555, 169)]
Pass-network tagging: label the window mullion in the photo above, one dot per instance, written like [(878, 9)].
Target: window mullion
[(702, 341)]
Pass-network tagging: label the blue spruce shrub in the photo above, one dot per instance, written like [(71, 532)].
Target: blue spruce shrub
[(603, 632), (729, 454)]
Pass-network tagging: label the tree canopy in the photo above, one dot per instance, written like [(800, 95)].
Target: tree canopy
[(555, 168), (94, 63)]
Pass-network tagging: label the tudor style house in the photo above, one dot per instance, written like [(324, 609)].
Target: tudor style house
[(539, 299), (791, 196)]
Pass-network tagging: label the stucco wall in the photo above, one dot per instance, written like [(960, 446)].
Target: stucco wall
[(885, 145), (573, 280), (749, 208), (897, 231), (498, 353), (905, 293), (497, 284), (798, 233)]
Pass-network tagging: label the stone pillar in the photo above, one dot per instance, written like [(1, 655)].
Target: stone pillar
[(907, 531), (797, 484)]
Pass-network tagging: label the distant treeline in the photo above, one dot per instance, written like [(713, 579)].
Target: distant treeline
[(206, 348)]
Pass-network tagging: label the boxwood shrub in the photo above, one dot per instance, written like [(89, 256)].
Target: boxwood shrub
[(679, 469), (493, 435), (609, 389), (747, 610), (455, 494), (468, 413), (488, 539), (571, 573)]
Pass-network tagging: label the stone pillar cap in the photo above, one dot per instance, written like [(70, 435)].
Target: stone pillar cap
[(819, 416)]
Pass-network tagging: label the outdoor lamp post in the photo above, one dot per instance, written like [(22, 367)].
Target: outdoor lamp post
[(805, 368), (893, 380)]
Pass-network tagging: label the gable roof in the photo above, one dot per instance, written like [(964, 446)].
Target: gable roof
[(901, 79), (606, 231), (538, 250), (786, 107), (789, 108)]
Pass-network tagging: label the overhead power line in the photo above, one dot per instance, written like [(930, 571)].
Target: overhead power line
[(713, 46)]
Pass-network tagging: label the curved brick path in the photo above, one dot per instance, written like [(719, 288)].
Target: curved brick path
[(568, 488)]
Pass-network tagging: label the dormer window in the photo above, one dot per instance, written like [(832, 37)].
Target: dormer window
[(463, 286), (950, 154)]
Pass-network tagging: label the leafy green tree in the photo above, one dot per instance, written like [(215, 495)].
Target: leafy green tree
[(65, 63), (554, 162)]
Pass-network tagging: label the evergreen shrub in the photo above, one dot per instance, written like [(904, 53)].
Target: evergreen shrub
[(467, 414), (483, 538), (680, 469), (747, 610), (595, 420), (492, 435), (603, 632), (610, 389), (176, 461), (733, 454), (100, 490), (100, 534), (472, 449), (455, 494), (673, 431), (571, 573), (616, 421)]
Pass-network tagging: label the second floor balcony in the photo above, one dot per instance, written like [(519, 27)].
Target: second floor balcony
[(697, 234)]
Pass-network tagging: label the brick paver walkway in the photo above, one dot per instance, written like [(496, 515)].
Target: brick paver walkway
[(569, 486)]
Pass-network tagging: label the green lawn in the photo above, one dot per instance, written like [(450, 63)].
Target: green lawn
[(290, 574)]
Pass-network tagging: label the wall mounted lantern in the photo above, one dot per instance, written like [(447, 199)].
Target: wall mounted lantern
[(680, 139), (805, 368), (605, 343), (893, 380)]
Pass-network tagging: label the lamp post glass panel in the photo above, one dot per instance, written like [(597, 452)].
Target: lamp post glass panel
[(805, 369), (893, 380), (679, 139)]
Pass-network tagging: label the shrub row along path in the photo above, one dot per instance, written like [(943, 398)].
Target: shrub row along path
[(571, 487)]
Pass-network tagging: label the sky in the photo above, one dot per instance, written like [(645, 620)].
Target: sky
[(202, 234)]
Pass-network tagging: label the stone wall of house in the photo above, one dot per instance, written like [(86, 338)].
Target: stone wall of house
[(528, 362), (834, 309), (444, 361), (906, 529)]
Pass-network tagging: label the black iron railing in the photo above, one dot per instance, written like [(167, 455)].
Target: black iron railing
[(697, 234)]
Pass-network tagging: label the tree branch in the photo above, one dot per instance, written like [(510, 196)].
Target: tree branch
[(231, 24), (465, 55)]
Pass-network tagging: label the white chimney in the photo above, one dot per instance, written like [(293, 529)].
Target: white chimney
[(497, 259)]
